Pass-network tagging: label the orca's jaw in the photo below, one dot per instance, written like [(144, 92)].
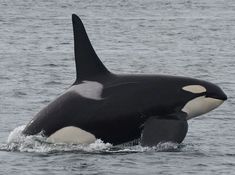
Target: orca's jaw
[(200, 105)]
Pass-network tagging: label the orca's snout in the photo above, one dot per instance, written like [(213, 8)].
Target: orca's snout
[(216, 93), (219, 96)]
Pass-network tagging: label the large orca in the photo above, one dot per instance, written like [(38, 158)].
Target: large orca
[(122, 108)]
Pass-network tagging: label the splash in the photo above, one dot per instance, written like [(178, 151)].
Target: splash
[(38, 144)]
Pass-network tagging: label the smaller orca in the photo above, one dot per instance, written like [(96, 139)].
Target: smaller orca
[(122, 108)]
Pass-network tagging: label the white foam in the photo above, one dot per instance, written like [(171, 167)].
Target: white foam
[(15, 135), (36, 143)]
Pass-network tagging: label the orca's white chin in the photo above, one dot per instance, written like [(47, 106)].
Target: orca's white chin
[(200, 105)]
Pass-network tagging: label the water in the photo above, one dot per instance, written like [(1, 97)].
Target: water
[(180, 37)]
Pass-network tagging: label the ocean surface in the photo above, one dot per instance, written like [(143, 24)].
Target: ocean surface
[(175, 37)]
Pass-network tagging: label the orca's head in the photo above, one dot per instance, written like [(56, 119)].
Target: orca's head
[(205, 97)]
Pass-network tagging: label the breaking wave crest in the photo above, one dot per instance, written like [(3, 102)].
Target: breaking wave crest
[(17, 142)]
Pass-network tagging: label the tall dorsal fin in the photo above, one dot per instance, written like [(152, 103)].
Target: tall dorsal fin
[(87, 62)]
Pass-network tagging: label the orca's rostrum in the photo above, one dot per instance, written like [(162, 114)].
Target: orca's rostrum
[(122, 108)]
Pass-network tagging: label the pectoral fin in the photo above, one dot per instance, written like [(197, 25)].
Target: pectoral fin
[(158, 130)]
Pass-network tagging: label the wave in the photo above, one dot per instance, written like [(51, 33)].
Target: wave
[(17, 142)]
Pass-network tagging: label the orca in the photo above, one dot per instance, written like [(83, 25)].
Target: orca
[(119, 109)]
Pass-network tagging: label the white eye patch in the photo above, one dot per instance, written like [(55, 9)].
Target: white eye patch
[(194, 89)]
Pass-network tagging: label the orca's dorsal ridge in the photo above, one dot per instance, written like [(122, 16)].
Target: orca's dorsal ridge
[(87, 62)]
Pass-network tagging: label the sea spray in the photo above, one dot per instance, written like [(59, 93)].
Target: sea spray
[(37, 143)]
